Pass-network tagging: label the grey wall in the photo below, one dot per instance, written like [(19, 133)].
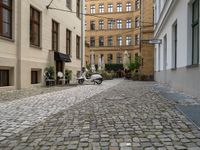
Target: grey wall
[(182, 79)]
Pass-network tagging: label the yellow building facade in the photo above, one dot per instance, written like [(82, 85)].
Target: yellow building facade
[(113, 27)]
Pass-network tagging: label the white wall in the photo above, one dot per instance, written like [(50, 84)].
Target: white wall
[(179, 13)]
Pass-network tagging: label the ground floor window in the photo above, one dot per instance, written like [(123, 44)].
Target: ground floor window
[(4, 78), (195, 33), (34, 77)]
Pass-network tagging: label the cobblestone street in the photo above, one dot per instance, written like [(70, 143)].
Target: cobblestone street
[(117, 115)]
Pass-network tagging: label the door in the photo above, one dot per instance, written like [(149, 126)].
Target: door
[(59, 68)]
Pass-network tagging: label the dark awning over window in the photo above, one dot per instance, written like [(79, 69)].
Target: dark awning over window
[(61, 57)]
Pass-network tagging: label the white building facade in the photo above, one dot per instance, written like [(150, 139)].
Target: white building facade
[(177, 57), (33, 37)]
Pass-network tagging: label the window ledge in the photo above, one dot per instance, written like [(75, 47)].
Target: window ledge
[(7, 39), (36, 47), (192, 66)]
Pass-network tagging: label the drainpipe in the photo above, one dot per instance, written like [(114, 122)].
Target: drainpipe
[(82, 30), (18, 45)]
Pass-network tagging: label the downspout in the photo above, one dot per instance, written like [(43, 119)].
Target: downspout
[(18, 45)]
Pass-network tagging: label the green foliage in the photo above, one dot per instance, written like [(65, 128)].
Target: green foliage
[(135, 63), (107, 75), (68, 74), (114, 67), (49, 72), (135, 75)]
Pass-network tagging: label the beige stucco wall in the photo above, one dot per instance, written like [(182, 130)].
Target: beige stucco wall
[(38, 58)]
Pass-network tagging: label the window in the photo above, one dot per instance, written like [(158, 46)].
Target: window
[(101, 24), (174, 44), (137, 4), (119, 7), (110, 58), (101, 41), (69, 4), (68, 42), (110, 8), (6, 18), (119, 58), (119, 40), (137, 22), (128, 23), (92, 25), (137, 39), (55, 35), (78, 47), (34, 27), (78, 5), (34, 77), (4, 78), (92, 41), (92, 9), (101, 8), (128, 40), (128, 6), (195, 33), (110, 41), (110, 24), (119, 24)]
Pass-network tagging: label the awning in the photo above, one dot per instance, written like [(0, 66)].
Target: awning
[(61, 57)]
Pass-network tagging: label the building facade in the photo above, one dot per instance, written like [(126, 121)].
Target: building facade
[(33, 37), (113, 27), (177, 58)]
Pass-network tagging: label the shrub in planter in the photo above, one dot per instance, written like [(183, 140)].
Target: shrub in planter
[(49, 73), (107, 75), (135, 76), (68, 76)]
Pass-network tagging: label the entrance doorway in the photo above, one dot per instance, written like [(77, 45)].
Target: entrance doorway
[(59, 68)]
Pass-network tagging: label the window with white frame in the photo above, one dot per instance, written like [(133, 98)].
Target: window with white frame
[(110, 58), (119, 7), (128, 40), (92, 25), (110, 24), (119, 24), (110, 8), (119, 58), (101, 41), (137, 39), (174, 46), (137, 22), (137, 4), (92, 41), (119, 40), (128, 6), (195, 32), (110, 41), (92, 9), (101, 8), (128, 23), (101, 24)]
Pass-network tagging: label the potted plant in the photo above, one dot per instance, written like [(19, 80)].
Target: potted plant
[(68, 76), (49, 75)]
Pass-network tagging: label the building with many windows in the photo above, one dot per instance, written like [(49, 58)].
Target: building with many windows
[(177, 57), (33, 37), (113, 27)]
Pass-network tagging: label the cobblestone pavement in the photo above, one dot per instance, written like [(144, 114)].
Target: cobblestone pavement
[(130, 115), (9, 95)]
